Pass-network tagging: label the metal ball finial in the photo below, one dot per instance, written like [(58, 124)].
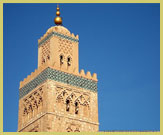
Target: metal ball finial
[(58, 19)]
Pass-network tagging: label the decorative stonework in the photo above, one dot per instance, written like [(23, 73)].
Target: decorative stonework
[(78, 102), (65, 46), (59, 76), (35, 129), (56, 97), (32, 105), (71, 127), (59, 35), (45, 51)]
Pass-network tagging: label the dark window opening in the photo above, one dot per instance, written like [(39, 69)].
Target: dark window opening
[(76, 104), (76, 108), (67, 105), (69, 61), (61, 59), (64, 93)]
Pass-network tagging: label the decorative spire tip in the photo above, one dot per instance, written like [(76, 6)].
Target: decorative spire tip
[(58, 19)]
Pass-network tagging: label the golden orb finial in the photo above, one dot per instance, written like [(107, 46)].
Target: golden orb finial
[(58, 19)]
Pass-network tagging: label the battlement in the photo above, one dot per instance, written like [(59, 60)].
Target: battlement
[(47, 64), (58, 31)]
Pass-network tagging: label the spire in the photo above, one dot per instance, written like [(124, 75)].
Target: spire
[(58, 19)]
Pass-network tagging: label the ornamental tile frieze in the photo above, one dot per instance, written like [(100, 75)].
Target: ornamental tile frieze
[(59, 76), (59, 35)]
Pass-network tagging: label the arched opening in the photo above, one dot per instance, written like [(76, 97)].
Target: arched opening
[(61, 59), (67, 105), (69, 129), (76, 108), (68, 61), (77, 130)]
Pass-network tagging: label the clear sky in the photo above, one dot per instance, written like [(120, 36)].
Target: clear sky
[(120, 42)]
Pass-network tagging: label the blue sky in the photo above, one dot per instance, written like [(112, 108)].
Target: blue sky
[(120, 42)]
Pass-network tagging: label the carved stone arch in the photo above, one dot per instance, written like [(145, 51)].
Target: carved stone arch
[(77, 130), (69, 104), (30, 110), (29, 107), (73, 96), (78, 100), (40, 91), (35, 104), (40, 101), (61, 59), (69, 98), (77, 104), (64, 93), (86, 103), (82, 99), (59, 98), (37, 95), (25, 111), (86, 109), (26, 102), (69, 129)]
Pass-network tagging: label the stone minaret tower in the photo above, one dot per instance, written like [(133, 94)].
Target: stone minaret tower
[(56, 97)]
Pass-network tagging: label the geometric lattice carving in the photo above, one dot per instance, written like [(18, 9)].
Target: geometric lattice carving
[(45, 55), (59, 76), (78, 103), (32, 104), (65, 47), (59, 35)]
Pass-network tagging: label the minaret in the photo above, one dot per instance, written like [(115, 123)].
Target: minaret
[(56, 97)]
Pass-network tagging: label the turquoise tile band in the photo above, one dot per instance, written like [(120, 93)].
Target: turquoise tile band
[(59, 35), (59, 76)]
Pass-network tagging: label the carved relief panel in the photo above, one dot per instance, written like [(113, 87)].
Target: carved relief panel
[(45, 49), (66, 52), (72, 127), (32, 105), (72, 102)]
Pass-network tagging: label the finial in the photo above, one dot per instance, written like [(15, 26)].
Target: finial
[(58, 19)]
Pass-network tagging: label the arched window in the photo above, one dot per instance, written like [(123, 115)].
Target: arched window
[(76, 107), (69, 129), (61, 59), (67, 105), (68, 61)]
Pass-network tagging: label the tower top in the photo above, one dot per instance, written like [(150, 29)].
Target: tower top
[(58, 19)]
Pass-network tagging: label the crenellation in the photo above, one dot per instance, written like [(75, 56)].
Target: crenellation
[(82, 73), (94, 76), (45, 65), (77, 36), (73, 35), (88, 75)]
